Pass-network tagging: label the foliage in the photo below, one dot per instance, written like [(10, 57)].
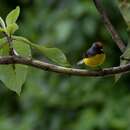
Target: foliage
[(54, 102), (18, 73)]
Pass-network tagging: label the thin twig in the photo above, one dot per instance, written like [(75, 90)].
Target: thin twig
[(63, 70), (109, 25), (9, 41)]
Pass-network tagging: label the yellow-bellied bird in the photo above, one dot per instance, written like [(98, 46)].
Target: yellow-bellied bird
[(94, 56)]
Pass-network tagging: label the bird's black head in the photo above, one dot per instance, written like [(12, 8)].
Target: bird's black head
[(96, 48), (97, 45)]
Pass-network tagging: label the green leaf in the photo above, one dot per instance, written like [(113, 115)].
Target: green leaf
[(2, 23), (54, 54), (12, 28), (22, 48), (13, 16), (13, 78), (2, 30), (3, 41)]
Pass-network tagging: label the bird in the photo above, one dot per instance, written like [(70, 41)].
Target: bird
[(94, 56)]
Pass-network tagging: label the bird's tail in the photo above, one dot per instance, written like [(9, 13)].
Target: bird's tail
[(80, 62)]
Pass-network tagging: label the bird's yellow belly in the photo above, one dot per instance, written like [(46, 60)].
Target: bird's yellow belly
[(94, 60)]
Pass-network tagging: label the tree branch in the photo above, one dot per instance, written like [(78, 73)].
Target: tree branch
[(109, 25), (63, 70)]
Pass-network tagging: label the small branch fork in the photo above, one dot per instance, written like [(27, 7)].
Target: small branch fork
[(63, 70)]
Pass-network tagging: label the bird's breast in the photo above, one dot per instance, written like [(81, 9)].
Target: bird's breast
[(94, 61)]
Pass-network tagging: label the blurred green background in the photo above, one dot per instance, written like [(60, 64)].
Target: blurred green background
[(51, 101)]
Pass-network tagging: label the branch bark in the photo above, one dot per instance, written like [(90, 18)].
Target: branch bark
[(109, 26), (63, 70)]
